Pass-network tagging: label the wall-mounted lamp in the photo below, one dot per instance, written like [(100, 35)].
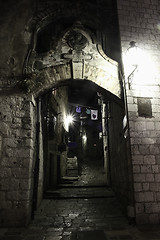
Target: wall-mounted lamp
[(133, 57)]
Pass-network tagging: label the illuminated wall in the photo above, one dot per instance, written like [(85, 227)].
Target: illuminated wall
[(139, 22)]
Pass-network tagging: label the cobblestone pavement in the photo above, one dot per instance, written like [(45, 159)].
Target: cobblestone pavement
[(80, 218)]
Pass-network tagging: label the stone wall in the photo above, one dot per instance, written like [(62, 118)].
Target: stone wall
[(17, 145), (139, 21), (15, 37), (119, 161), (53, 137)]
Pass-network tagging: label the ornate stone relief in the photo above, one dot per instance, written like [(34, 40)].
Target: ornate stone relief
[(78, 56), (76, 40)]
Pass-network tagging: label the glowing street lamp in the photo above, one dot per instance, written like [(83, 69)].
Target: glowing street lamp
[(133, 54), (133, 58), (142, 63)]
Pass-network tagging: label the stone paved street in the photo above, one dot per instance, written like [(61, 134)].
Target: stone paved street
[(76, 218)]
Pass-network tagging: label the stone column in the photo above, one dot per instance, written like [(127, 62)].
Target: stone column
[(17, 149)]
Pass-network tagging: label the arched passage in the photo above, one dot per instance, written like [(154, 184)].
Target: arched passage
[(76, 58), (104, 155)]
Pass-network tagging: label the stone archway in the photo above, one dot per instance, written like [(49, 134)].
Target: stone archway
[(76, 55)]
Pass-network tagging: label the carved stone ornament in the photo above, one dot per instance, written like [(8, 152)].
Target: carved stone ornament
[(76, 40)]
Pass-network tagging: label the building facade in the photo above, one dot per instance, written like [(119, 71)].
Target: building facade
[(45, 45)]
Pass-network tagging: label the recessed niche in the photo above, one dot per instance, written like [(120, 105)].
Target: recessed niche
[(144, 107)]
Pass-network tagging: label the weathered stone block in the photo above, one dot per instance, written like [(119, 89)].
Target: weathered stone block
[(5, 172), (155, 187), (144, 197), (7, 184), (155, 101), (14, 217), (147, 134), (138, 187), (140, 126), (136, 140), (20, 173), (157, 177), (23, 153), (156, 115), (157, 140), (150, 177), (22, 204), (136, 168), (135, 149), (157, 126), (137, 159), (154, 149), (145, 186), (154, 134), (148, 140), (130, 100), (150, 126), (26, 123), (3, 196), (20, 113), (139, 208), (139, 177), (132, 107), (157, 157), (156, 108), (15, 162), (149, 159), (16, 125), (142, 218), (0, 145), (154, 219), (155, 168), (132, 116), (144, 149), (18, 195), (158, 196), (152, 207), (146, 169), (10, 142), (135, 133), (25, 184), (5, 129)]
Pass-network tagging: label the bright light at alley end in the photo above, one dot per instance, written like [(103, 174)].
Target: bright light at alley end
[(84, 138), (69, 120)]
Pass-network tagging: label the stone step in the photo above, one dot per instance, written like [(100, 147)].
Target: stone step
[(80, 192)]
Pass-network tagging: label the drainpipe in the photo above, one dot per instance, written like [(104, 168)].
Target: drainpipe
[(36, 165), (105, 138), (131, 203)]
